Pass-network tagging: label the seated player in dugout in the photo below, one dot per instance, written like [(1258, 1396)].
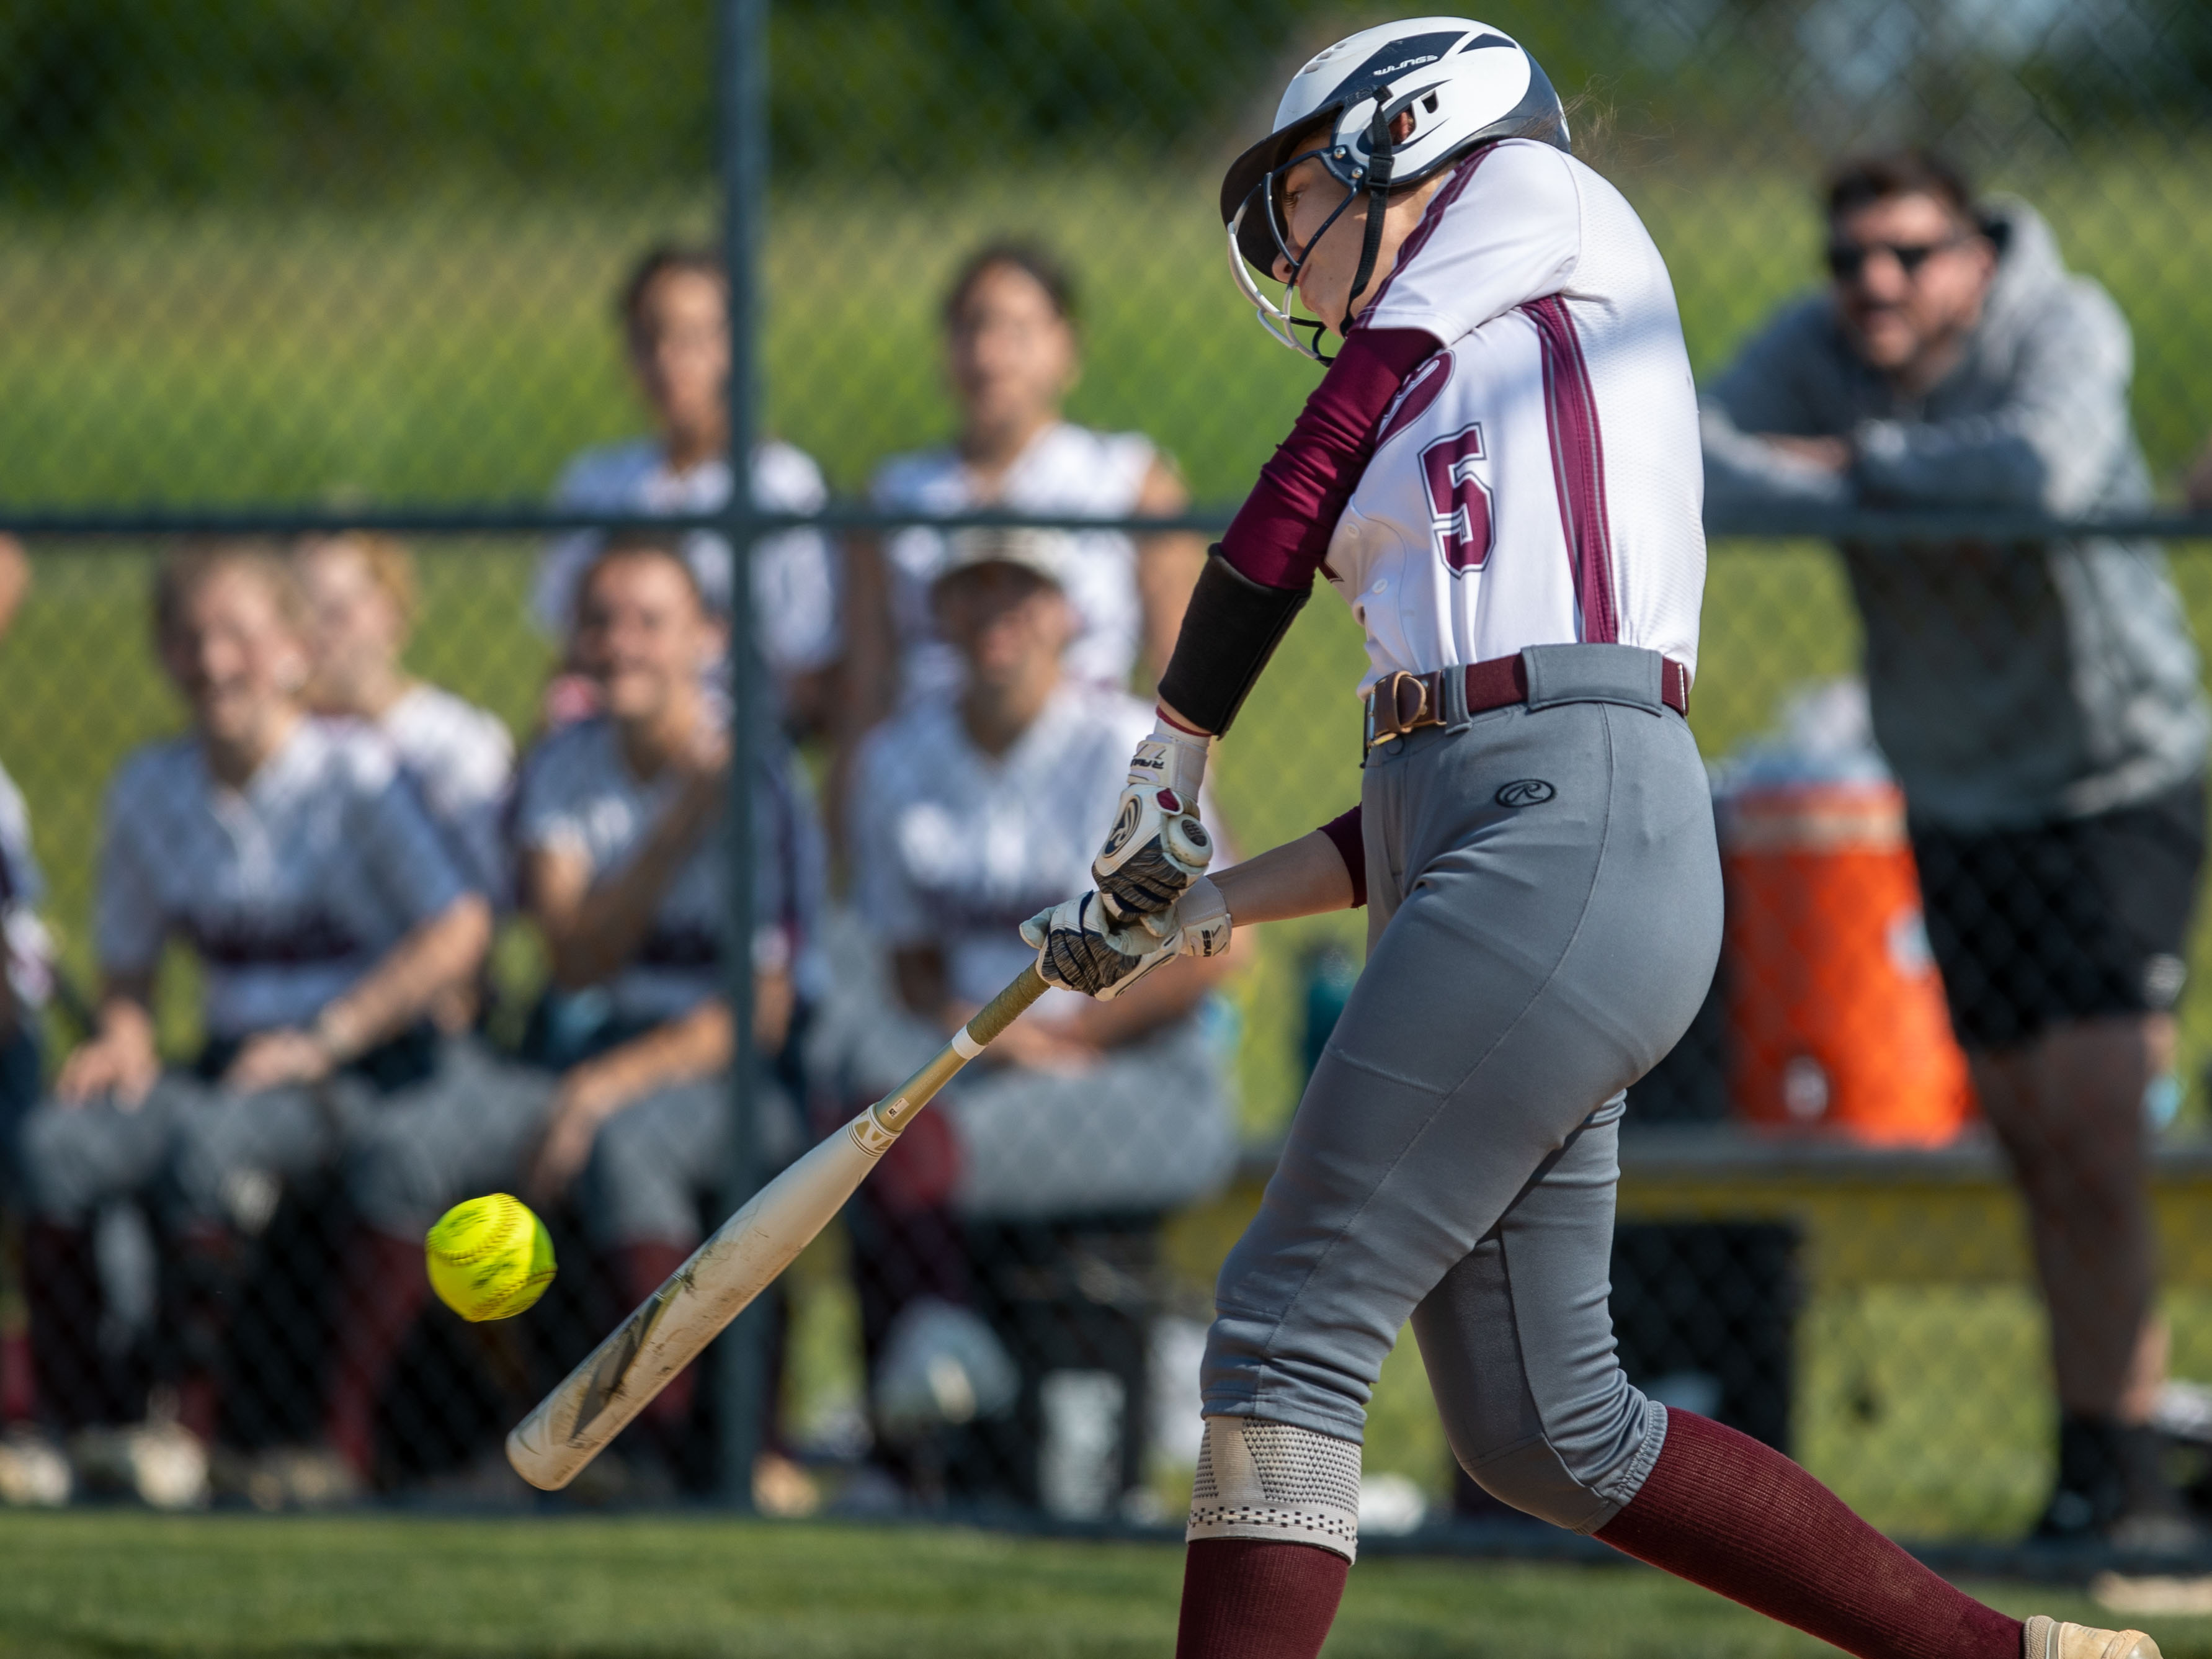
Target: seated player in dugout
[(293, 859), (1499, 475), (1013, 353), (1085, 1121), (362, 595), (426, 1148), (2041, 706), (619, 861), (674, 314)]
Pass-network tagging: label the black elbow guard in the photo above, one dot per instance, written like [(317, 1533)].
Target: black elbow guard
[(1231, 629)]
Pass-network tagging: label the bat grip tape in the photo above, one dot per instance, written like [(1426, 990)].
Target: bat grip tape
[(1002, 1011)]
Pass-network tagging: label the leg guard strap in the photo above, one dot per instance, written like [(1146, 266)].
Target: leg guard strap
[(1277, 1482)]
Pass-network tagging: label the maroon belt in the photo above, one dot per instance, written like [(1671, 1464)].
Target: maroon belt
[(1402, 703)]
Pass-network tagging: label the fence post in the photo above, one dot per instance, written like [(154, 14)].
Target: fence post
[(742, 140)]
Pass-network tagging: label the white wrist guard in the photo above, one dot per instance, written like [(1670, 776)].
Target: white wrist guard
[(1277, 1482), (1157, 846), (1201, 918), (1172, 759)]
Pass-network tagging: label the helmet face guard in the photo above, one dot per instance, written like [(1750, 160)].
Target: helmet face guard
[(1342, 163), (1273, 237)]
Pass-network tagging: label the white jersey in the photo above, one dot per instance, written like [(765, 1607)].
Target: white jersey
[(289, 891), (462, 759), (1065, 469), (956, 848), (1539, 482), (579, 796), (795, 585), (26, 949)]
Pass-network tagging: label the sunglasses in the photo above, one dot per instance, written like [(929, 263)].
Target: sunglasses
[(1847, 260)]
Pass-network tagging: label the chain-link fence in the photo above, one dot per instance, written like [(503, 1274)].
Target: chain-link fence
[(305, 272)]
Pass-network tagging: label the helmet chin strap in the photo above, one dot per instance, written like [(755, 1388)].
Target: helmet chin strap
[(1380, 156)]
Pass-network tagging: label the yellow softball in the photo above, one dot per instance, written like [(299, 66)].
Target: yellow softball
[(490, 1258)]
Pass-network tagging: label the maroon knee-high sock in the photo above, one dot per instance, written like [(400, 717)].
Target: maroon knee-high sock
[(385, 1287), (1247, 1598), (1723, 1510)]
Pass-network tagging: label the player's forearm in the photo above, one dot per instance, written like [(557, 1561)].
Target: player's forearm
[(1302, 877), (610, 920), (398, 991), (696, 1045)]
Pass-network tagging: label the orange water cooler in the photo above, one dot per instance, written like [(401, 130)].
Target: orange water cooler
[(1835, 1008)]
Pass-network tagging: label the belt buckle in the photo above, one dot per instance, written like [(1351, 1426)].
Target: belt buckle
[(1388, 716)]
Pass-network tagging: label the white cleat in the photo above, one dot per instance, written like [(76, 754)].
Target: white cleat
[(163, 1464), (33, 1474), (2047, 1638)]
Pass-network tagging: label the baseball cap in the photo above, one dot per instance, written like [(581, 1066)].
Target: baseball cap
[(1047, 553)]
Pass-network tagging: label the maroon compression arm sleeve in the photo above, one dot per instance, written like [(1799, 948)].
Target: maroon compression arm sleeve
[(1281, 532), (1351, 843)]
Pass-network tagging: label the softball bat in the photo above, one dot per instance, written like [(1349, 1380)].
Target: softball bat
[(618, 1378)]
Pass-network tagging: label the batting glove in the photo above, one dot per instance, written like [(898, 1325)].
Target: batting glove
[(1157, 848), (1079, 949)]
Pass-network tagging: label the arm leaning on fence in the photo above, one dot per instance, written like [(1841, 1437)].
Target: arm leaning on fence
[(746, 1254)]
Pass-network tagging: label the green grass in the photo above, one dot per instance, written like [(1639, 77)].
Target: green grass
[(110, 1586)]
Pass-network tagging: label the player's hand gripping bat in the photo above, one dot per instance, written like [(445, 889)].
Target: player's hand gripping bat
[(617, 1379)]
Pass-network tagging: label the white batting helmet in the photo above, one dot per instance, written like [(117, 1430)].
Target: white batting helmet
[(1400, 102)]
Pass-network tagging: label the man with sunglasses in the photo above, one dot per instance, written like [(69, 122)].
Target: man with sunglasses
[(2041, 703)]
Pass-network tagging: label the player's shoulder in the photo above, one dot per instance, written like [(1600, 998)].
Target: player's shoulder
[(12, 809), (1517, 192), (786, 477), (608, 475), (1800, 336), (431, 723), (168, 768), (1527, 170), (571, 760), (916, 478), (15, 819), (343, 753), (1083, 450)]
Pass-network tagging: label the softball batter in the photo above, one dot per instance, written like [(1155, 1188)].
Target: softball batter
[(1500, 475)]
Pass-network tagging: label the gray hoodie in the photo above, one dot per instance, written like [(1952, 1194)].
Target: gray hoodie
[(2011, 684)]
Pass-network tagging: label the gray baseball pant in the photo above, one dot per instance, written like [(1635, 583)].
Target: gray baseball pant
[(1545, 915), (462, 1131), (203, 1152), (654, 1160), (1150, 1126), (206, 1154)]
